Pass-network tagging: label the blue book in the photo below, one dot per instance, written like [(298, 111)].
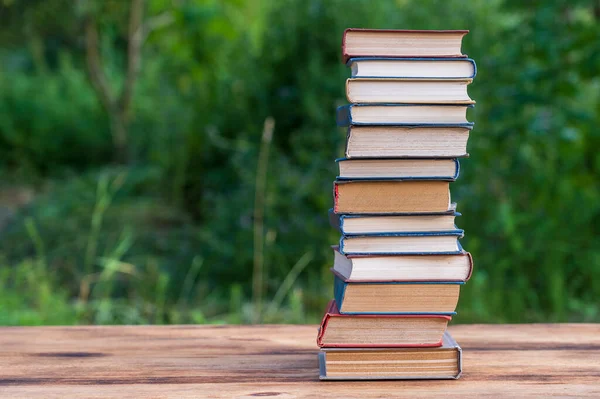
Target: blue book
[(414, 67), (398, 169), (393, 297), (365, 224), (405, 243), (441, 115)]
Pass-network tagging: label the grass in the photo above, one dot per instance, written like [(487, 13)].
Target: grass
[(101, 263), (112, 290)]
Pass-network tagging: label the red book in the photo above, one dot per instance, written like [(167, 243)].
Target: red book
[(402, 43), (380, 331)]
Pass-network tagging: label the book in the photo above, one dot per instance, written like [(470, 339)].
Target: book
[(443, 362), (361, 268), (391, 196), (406, 243), (365, 224), (406, 169), (438, 68), (417, 91), (401, 43), (364, 331), (395, 297), (406, 142), (445, 115)]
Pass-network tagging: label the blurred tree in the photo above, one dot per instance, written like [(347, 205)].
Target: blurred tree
[(118, 106), (212, 75)]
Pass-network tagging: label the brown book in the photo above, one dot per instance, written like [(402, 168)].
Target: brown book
[(384, 331), (376, 197), (401, 43), (406, 142), (444, 362), (408, 91)]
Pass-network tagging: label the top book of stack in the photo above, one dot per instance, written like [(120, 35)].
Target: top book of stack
[(402, 43)]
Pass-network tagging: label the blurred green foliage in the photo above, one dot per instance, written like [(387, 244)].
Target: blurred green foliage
[(169, 237)]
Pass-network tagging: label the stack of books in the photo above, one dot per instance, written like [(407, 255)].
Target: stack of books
[(399, 265)]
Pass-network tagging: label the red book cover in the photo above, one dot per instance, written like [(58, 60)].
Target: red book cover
[(332, 311), (346, 55)]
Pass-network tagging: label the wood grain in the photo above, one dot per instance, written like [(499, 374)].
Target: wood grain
[(560, 360)]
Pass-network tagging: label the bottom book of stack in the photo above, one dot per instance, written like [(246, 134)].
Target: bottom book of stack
[(378, 347)]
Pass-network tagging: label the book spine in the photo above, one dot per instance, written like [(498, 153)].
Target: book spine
[(468, 255), (339, 288), (335, 197), (347, 150), (344, 115), (474, 68), (323, 325), (457, 170), (335, 220), (345, 56)]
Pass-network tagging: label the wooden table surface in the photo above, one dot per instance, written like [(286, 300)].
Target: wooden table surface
[(549, 360)]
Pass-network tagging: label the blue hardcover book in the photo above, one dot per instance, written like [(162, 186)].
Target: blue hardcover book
[(364, 224), (440, 115), (398, 169), (405, 243), (393, 297), (414, 67)]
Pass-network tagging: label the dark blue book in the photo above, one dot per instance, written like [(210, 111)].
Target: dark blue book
[(441, 115), (405, 243), (415, 67), (398, 169), (365, 224), (393, 297)]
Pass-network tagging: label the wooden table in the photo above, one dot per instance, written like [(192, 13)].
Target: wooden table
[(558, 360)]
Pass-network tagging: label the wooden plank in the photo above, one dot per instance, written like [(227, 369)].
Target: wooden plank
[(561, 360)]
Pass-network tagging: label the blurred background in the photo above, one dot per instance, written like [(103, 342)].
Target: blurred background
[(171, 161)]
